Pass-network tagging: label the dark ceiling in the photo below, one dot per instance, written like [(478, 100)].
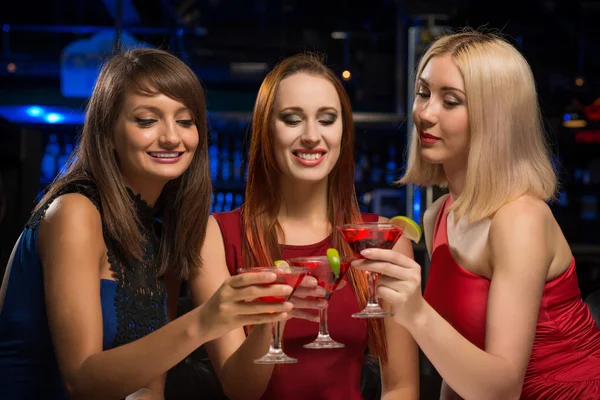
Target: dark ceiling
[(561, 39)]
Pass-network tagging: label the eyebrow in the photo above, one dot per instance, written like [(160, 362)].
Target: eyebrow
[(300, 109), (158, 110), (444, 88)]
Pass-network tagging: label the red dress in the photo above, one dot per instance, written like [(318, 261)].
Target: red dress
[(327, 374), (565, 358)]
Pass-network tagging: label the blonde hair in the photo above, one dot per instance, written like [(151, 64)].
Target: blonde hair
[(508, 154)]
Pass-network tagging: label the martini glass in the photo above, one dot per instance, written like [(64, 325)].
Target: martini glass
[(291, 276), (320, 269), (368, 235)]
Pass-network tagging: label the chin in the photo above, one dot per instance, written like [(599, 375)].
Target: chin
[(308, 178), (432, 156), (165, 176)]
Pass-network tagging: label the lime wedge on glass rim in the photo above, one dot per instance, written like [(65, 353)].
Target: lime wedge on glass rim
[(281, 264), (409, 228), (334, 261)]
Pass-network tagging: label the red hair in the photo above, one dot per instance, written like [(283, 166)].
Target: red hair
[(260, 245)]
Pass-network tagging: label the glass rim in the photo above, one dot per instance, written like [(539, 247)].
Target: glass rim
[(319, 258), (368, 225), (294, 269)]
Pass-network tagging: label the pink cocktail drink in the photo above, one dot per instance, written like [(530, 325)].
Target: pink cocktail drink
[(328, 279), (381, 236), (283, 278), (368, 235), (318, 267), (286, 275)]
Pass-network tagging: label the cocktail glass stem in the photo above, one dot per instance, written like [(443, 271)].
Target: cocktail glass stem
[(276, 339), (323, 328), (323, 340), (372, 289), (275, 354), (372, 309)]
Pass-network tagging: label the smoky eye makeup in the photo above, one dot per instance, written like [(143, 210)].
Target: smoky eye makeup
[(452, 101), (328, 118), (455, 98), (421, 90), (290, 118), (186, 122), (144, 122)]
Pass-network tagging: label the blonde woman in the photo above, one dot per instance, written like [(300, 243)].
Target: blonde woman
[(502, 316)]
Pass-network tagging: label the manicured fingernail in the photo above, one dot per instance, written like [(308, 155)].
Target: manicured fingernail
[(288, 289), (366, 252)]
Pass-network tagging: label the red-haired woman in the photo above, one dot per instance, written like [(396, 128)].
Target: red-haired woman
[(300, 187)]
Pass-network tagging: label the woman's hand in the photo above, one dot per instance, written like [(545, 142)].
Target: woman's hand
[(399, 284), (304, 302), (232, 305)]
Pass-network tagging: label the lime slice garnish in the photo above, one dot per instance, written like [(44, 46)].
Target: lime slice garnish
[(282, 265), (410, 228), (334, 261)]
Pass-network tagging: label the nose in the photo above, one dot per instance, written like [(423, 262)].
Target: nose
[(169, 136), (310, 136), (427, 113)]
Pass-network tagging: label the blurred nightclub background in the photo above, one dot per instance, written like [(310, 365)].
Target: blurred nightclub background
[(50, 53)]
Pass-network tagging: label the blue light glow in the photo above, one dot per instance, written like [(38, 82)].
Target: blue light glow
[(53, 118), (35, 111), (49, 114), (417, 204), (42, 114)]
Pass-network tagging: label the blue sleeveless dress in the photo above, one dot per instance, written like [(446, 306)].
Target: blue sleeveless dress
[(133, 305)]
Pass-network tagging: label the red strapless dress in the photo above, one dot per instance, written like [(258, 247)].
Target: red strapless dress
[(565, 358)]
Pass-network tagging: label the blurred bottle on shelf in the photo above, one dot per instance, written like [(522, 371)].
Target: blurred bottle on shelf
[(224, 160), (64, 157), (238, 162), (50, 159)]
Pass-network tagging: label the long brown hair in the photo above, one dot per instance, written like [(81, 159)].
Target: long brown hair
[(186, 199), (260, 245)]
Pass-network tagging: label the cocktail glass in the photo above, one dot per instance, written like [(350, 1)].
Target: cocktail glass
[(368, 235), (320, 269), (291, 276)]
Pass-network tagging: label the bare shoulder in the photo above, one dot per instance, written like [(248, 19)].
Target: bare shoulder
[(523, 226), (72, 219), (521, 216), (73, 207), (213, 231)]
